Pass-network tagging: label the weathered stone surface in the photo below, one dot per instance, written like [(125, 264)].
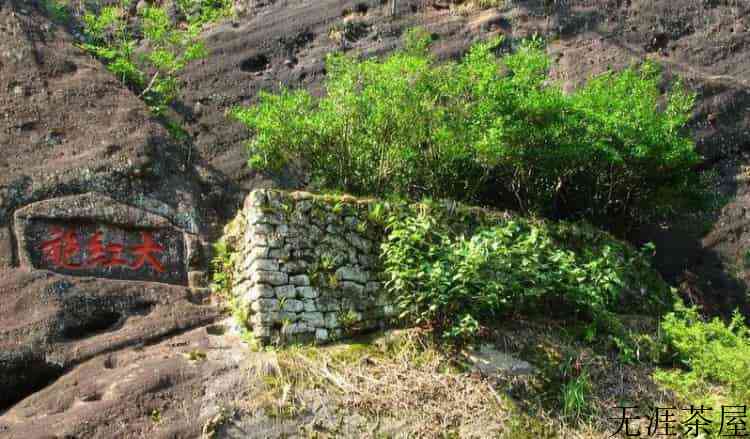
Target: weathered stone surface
[(310, 305), (490, 361), (295, 267), (286, 292), (6, 248), (114, 394), (263, 229), (282, 254), (328, 303), (359, 243), (300, 280), (93, 235), (258, 291), (264, 264), (275, 241), (51, 322), (307, 292), (258, 252), (352, 289), (265, 305), (331, 320), (351, 274), (313, 319), (321, 335), (296, 328), (366, 261), (293, 305), (265, 318), (255, 199), (270, 277), (286, 317)]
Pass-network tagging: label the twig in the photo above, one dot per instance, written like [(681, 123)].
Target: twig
[(150, 85), (497, 397)]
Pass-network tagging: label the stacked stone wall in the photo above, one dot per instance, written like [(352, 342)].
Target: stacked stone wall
[(308, 267)]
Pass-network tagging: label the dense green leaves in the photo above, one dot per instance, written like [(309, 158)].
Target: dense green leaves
[(516, 266), (714, 355), (486, 129)]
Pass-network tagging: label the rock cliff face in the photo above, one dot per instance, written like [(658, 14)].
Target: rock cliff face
[(68, 127)]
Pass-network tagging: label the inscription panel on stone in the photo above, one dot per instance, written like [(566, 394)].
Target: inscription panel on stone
[(102, 250)]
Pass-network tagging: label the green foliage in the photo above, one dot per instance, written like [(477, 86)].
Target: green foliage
[(58, 10), (153, 73), (199, 13), (714, 355), (574, 395), (222, 267), (156, 417), (486, 129), (457, 283)]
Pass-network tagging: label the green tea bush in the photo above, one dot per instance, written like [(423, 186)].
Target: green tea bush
[(486, 129), (457, 283), (714, 358), (113, 37)]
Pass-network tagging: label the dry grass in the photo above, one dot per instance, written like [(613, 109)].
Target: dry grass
[(390, 378), (404, 385)]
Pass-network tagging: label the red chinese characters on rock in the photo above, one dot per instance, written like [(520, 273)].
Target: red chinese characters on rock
[(63, 247)]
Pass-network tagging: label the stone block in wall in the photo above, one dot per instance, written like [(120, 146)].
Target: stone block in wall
[(274, 278), (301, 280), (264, 319), (258, 291), (359, 243), (351, 288), (295, 267), (279, 253), (321, 335), (296, 328), (349, 273), (311, 305), (331, 320), (307, 292), (286, 292), (328, 303), (293, 305), (313, 319), (265, 305), (256, 252), (288, 317), (264, 264)]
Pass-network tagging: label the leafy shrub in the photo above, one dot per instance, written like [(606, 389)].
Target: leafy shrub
[(112, 38), (715, 357), (486, 129), (457, 283)]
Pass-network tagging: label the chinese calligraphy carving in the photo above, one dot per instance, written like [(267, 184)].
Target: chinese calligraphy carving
[(94, 235), (103, 250), (64, 247)]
